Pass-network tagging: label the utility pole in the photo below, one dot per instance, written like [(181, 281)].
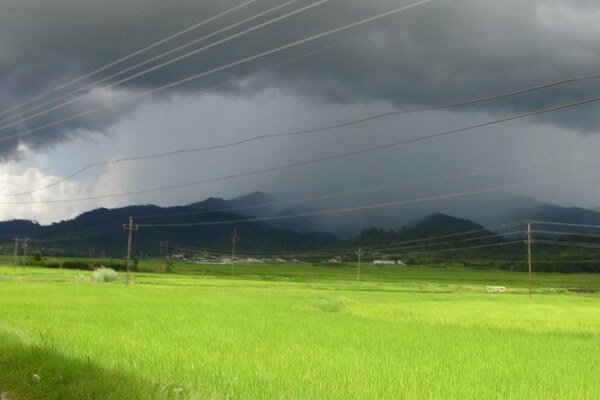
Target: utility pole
[(17, 240), (25, 248), (167, 257), (130, 228), (164, 253), (529, 254), (234, 240), (359, 254)]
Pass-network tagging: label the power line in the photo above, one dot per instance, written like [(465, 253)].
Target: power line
[(94, 85), (542, 261), (430, 241), (453, 242), (161, 65), (447, 104), (304, 254), (399, 244), (317, 160), (464, 175), (354, 192), (538, 260), (129, 56), (83, 234), (484, 246), (92, 233), (187, 150), (218, 69), (348, 252), (150, 157), (142, 13), (564, 224), (568, 244), (565, 233), (459, 249), (437, 106), (472, 231), (360, 208)]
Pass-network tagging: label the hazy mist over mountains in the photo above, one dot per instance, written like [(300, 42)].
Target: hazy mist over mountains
[(488, 211)]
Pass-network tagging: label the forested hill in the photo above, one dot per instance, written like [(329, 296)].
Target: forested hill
[(100, 232)]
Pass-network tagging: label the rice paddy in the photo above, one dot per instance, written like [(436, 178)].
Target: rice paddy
[(298, 332)]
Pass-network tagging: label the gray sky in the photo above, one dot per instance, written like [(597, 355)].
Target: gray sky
[(440, 51)]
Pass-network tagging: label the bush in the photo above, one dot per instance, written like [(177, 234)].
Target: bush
[(104, 274), (37, 255)]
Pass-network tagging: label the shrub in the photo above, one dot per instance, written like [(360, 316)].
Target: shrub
[(37, 255), (104, 274)]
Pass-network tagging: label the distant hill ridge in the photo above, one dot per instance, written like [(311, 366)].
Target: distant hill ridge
[(106, 233), (548, 212), (443, 221)]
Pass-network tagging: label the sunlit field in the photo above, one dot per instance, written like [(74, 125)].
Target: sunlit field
[(298, 332)]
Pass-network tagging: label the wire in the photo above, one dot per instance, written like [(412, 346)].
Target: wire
[(142, 13), (563, 233), (482, 230), (163, 64), (324, 252), (80, 235), (218, 69), (334, 251), (353, 192), (467, 248), (448, 104), (314, 161), (359, 208), (569, 244), (453, 242), (129, 56), (397, 243), (94, 85), (563, 224), (566, 261), (263, 137), (150, 157)]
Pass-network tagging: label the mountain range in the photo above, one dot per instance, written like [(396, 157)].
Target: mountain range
[(262, 224)]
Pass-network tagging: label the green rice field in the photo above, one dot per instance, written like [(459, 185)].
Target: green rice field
[(297, 331)]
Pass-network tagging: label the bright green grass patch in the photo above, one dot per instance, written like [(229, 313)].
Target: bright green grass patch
[(422, 336)]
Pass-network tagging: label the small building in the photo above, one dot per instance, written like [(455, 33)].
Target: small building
[(495, 289), (389, 262), (251, 260), (384, 262)]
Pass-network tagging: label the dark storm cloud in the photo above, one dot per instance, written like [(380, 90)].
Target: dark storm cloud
[(446, 50)]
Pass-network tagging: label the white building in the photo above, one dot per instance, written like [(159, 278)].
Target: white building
[(389, 262), (384, 262)]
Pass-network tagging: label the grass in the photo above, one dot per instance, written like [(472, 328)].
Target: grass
[(297, 331)]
